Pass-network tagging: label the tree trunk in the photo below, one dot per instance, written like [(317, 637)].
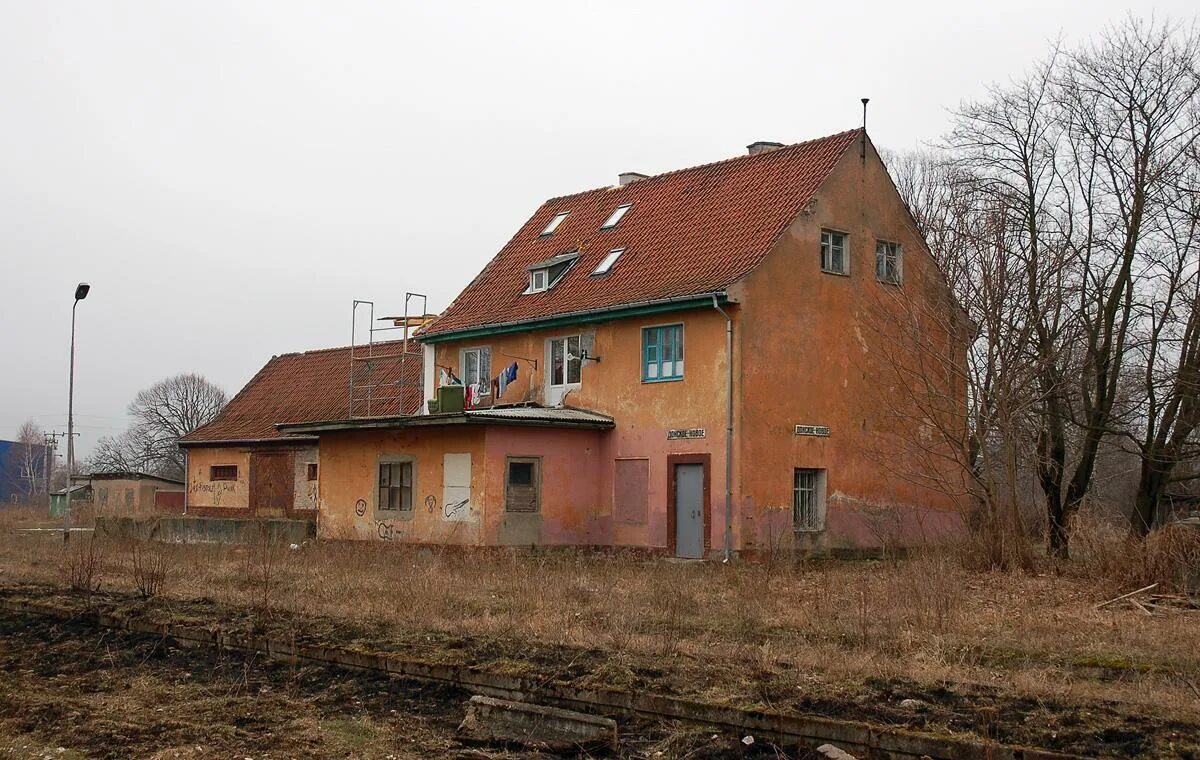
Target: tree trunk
[(1152, 483)]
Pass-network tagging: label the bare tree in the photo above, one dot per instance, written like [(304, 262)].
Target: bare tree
[(26, 462), (162, 414), (1129, 106)]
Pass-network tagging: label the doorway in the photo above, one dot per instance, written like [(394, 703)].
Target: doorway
[(272, 483), (687, 523)]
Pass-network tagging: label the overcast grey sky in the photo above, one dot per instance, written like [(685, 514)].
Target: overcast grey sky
[(228, 176)]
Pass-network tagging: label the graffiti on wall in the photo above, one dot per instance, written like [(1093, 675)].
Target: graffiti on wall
[(388, 530), (216, 490), (360, 507)]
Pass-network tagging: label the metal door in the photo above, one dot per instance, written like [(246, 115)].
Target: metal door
[(272, 483), (689, 510)]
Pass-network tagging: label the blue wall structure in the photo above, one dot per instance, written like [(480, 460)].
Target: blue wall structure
[(14, 481)]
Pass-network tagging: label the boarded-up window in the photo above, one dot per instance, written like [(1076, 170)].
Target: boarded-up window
[(104, 497), (129, 497), (631, 486), (456, 493), (395, 485), (222, 472), (523, 485), (312, 470)]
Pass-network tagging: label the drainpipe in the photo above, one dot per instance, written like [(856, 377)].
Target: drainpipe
[(728, 432), (185, 480)]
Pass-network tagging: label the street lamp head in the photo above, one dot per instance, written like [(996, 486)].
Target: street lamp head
[(81, 291)]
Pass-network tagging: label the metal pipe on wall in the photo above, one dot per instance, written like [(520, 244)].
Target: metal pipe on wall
[(728, 432)]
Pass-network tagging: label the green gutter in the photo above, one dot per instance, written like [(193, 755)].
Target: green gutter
[(581, 317)]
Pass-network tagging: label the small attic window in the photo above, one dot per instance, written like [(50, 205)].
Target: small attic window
[(616, 216), (608, 261), (553, 225), (546, 274)]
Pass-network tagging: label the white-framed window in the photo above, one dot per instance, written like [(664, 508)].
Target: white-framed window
[(889, 262), (546, 274), (566, 362), (553, 225), (615, 217), (476, 366), (808, 499), (609, 260), (834, 252)]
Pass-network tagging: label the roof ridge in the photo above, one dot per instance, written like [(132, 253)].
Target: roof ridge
[(711, 164), (340, 348)]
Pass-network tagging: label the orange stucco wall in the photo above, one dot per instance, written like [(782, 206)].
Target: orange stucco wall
[(644, 411), (232, 497), (571, 510), (204, 494), (822, 349)]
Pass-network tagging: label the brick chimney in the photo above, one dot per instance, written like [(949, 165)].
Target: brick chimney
[(762, 146), (627, 178)]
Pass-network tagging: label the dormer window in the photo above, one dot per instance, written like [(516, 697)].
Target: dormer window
[(546, 274), (616, 216), (553, 225)]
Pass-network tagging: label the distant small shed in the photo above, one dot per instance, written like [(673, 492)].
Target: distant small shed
[(128, 494), (80, 493)]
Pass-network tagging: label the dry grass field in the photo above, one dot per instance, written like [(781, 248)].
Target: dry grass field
[(1022, 657)]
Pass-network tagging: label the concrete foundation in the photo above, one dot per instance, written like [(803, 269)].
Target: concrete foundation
[(207, 530), (504, 721)]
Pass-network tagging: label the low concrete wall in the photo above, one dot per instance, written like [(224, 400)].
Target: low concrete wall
[(207, 530)]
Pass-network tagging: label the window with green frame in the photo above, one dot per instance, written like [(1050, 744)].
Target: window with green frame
[(662, 353)]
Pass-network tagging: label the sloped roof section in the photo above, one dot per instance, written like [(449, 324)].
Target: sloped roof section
[(692, 231), (315, 385)]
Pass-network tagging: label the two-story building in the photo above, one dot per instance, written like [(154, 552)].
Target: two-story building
[(672, 361)]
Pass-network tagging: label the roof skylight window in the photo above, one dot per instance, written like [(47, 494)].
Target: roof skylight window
[(546, 274), (616, 216), (608, 261), (553, 225)]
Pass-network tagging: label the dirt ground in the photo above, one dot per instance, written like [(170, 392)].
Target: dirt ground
[(70, 690)]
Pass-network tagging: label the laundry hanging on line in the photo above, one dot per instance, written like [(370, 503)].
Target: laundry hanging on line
[(506, 376)]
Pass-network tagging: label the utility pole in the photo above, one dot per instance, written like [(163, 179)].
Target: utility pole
[(50, 452)]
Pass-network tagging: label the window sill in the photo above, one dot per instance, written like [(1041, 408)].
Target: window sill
[(654, 380), (895, 284), (831, 271), (808, 530), (394, 514)]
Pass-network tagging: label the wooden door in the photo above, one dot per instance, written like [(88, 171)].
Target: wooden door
[(272, 483)]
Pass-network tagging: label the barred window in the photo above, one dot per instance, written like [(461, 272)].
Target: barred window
[(808, 511)]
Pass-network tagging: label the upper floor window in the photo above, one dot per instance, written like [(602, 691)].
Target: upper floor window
[(616, 215), (889, 262), (833, 252), (565, 361), (553, 225), (477, 368), (546, 274), (662, 353)]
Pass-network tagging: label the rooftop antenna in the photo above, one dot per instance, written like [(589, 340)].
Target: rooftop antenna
[(863, 154)]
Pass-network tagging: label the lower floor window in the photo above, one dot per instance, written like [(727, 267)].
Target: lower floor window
[(523, 485), (395, 485), (808, 499)]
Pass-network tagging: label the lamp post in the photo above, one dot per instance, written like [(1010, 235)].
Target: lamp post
[(81, 291)]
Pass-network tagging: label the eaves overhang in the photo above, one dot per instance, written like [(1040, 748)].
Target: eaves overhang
[(277, 441), (588, 316), (580, 420)]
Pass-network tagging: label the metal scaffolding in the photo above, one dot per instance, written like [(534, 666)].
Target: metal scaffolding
[(380, 378)]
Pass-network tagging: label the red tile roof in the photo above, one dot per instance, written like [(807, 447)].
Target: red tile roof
[(314, 385), (690, 232)]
